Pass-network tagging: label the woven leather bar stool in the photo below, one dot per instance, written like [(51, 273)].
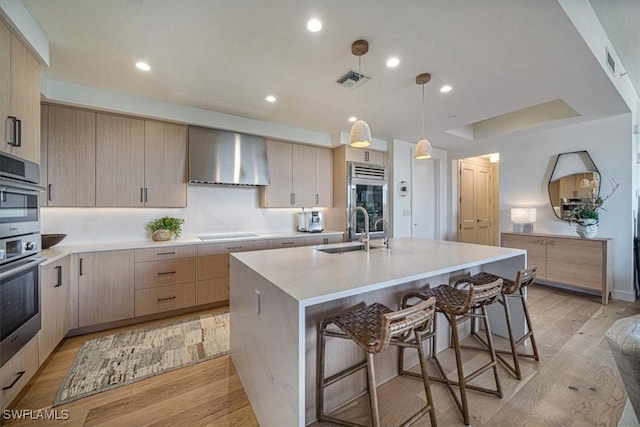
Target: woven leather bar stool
[(511, 289), (458, 305), (373, 328)]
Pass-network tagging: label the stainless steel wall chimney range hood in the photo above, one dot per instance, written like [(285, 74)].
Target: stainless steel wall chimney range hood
[(229, 158)]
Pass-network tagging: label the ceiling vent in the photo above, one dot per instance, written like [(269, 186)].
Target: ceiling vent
[(353, 79)]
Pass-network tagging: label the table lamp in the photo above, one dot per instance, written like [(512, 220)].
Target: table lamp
[(523, 219)]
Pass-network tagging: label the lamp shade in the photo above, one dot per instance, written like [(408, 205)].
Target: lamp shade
[(423, 150), (523, 215), (360, 134), (584, 183)]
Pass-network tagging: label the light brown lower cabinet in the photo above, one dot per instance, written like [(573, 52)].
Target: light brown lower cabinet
[(165, 298), (105, 287), (17, 372), (55, 307), (167, 281), (580, 263), (213, 268), (313, 240)]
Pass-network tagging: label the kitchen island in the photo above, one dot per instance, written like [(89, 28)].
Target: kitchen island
[(277, 299)]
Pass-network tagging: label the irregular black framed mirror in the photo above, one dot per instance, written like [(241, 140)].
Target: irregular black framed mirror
[(574, 180)]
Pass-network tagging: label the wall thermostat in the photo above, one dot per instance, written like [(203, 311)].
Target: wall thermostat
[(403, 188)]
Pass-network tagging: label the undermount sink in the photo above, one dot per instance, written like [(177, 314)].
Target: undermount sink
[(227, 236), (342, 249)]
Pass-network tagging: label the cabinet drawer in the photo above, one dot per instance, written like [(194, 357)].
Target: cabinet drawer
[(324, 240), (165, 298), (213, 266), (20, 368), (213, 290), (228, 247), (287, 243), (167, 252), (162, 273)]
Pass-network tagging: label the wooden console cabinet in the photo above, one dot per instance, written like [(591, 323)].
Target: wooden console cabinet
[(580, 263)]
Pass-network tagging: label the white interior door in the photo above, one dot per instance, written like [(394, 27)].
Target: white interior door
[(424, 199)]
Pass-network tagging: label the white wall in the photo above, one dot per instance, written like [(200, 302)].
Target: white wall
[(401, 158), (526, 162), (211, 210)]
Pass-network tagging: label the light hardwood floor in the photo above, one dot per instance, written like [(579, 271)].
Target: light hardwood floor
[(575, 384)]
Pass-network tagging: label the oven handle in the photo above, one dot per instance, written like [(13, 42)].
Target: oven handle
[(12, 271)]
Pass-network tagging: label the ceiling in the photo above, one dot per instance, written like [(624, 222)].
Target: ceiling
[(228, 55)]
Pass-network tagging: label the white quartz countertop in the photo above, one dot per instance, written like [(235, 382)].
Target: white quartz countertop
[(312, 277), (60, 251)]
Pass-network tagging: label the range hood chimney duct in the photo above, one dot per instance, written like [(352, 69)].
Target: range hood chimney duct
[(227, 158)]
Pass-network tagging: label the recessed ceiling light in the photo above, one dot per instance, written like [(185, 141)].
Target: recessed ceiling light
[(353, 119), (393, 62), (143, 66), (314, 25), (446, 88), (271, 98)]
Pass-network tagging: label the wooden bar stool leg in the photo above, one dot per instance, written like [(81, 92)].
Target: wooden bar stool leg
[(527, 317), (425, 379), (320, 373), (492, 350), (512, 341), (373, 391), (400, 360), (455, 342)]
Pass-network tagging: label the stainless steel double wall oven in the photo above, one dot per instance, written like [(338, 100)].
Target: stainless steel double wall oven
[(19, 248)]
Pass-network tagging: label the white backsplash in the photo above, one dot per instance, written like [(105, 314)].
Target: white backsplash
[(211, 209)]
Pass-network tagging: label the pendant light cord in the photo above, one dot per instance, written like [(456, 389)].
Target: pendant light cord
[(423, 135), (360, 86)]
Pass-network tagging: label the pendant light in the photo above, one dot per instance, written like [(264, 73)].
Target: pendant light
[(423, 149), (360, 136)]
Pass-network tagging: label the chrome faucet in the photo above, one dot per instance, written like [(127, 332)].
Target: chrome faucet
[(385, 229), (364, 238)]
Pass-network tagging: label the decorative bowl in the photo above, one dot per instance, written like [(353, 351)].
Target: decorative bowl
[(49, 240)]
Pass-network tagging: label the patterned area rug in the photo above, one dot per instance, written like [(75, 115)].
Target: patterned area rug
[(115, 360)]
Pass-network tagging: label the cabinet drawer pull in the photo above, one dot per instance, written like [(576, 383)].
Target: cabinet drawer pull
[(141, 195), (551, 242), (317, 199), (234, 247), (366, 156), (166, 299), (59, 282), (288, 243), (20, 374), (146, 199), (81, 266), (166, 253), (166, 273), (49, 193)]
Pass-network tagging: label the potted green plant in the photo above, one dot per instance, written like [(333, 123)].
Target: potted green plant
[(164, 228), (586, 216)]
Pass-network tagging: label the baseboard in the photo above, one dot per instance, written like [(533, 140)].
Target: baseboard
[(624, 296)]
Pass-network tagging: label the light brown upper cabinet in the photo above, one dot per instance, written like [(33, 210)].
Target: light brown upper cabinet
[(19, 98), (119, 161), (140, 163), (165, 164), (70, 160), (295, 179), (324, 177), (366, 156)]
